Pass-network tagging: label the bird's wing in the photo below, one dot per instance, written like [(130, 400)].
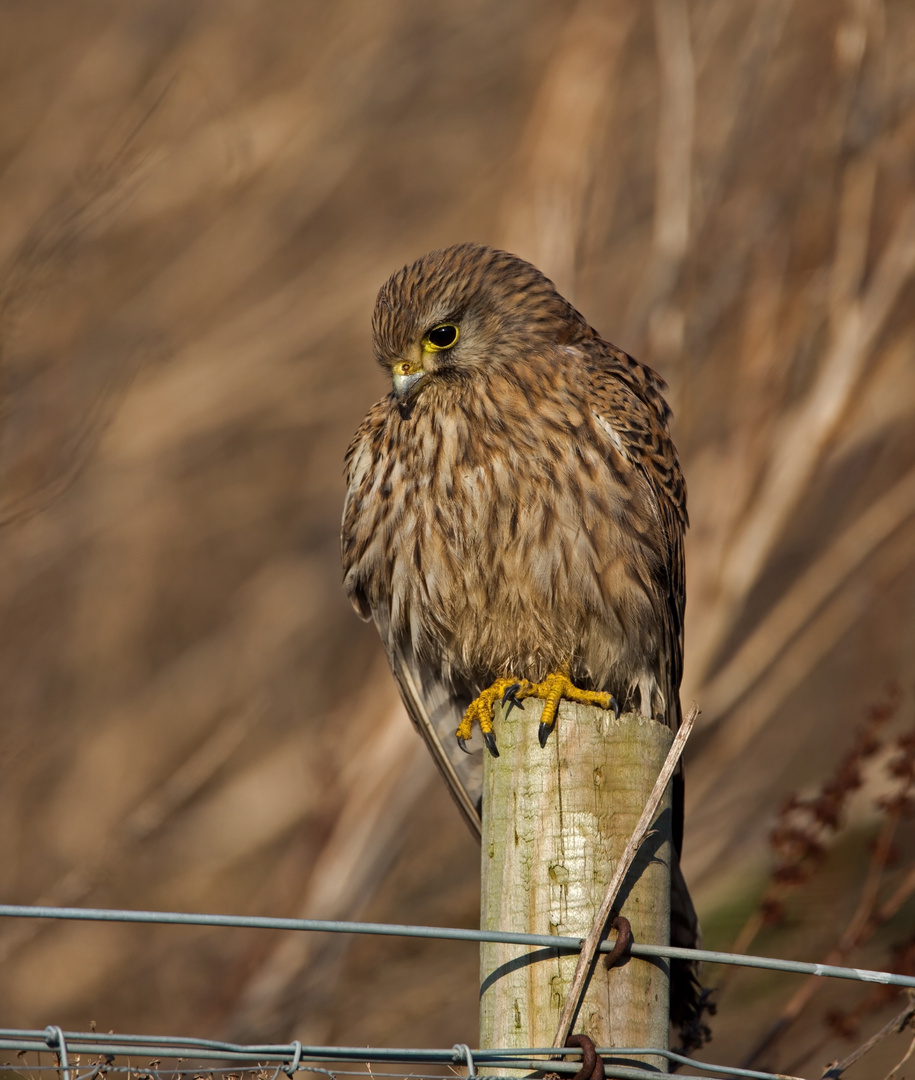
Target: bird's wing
[(629, 403), (628, 399), (435, 708)]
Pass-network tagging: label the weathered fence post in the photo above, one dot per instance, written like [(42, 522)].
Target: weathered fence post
[(555, 822)]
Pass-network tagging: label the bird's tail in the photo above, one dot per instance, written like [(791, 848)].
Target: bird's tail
[(689, 1002)]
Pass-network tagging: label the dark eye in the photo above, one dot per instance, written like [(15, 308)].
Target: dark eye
[(442, 337)]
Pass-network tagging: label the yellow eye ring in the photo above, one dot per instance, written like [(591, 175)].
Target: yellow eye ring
[(443, 336)]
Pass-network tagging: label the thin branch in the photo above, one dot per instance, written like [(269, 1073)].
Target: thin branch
[(803, 827), (894, 1072), (860, 928), (896, 1025), (865, 910), (595, 935), (903, 891)]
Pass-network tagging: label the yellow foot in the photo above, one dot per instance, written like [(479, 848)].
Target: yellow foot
[(480, 709), (553, 689)]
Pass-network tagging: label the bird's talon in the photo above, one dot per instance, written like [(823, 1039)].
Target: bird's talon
[(511, 694), (510, 698)]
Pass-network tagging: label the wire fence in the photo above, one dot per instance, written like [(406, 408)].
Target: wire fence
[(290, 1058), (293, 1057)]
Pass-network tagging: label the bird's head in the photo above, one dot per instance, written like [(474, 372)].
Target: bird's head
[(459, 312)]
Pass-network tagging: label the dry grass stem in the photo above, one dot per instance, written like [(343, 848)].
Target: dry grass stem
[(903, 892), (381, 788), (542, 217), (837, 616), (899, 1022), (831, 571), (652, 307), (894, 1074), (809, 430), (803, 841)]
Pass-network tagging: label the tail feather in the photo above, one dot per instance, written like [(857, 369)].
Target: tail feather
[(689, 1002)]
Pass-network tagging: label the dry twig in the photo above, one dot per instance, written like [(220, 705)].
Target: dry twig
[(894, 1072), (803, 843), (896, 1025)]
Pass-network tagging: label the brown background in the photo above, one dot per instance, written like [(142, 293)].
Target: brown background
[(198, 202)]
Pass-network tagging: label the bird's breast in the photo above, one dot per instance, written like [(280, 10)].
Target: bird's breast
[(508, 554)]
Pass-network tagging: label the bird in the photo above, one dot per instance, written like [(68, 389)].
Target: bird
[(514, 520)]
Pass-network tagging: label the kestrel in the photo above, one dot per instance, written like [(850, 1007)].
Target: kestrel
[(515, 513)]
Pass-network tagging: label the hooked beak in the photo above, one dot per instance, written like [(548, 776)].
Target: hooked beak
[(405, 380)]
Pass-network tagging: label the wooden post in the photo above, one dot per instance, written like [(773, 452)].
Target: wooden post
[(555, 822)]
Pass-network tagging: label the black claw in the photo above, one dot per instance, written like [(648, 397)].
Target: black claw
[(543, 733), (509, 698), (490, 740), (510, 692), (615, 706), (462, 744)]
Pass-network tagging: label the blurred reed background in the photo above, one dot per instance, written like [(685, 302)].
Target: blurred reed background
[(198, 203)]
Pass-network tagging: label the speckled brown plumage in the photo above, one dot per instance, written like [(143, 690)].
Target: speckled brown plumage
[(515, 506)]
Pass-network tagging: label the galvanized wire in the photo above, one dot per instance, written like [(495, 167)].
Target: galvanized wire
[(294, 1057), (373, 1074), (565, 944)]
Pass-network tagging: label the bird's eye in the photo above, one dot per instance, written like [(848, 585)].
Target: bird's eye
[(442, 337)]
